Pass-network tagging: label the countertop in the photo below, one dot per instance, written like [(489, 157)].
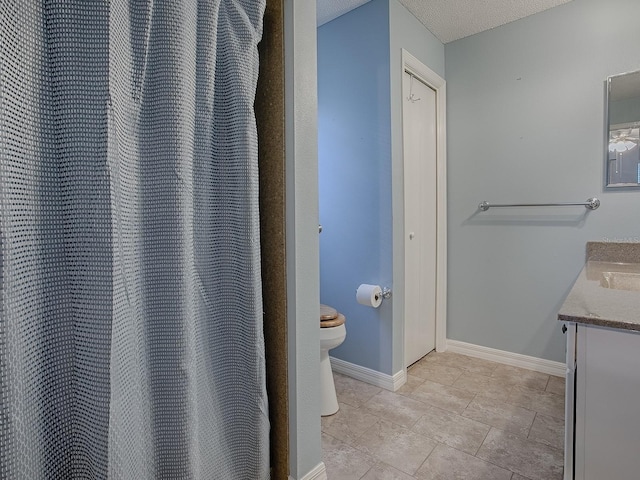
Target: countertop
[(591, 303)]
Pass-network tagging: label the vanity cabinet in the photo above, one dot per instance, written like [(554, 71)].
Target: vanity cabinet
[(602, 403)]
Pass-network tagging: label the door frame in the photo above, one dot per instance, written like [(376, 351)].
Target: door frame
[(427, 76)]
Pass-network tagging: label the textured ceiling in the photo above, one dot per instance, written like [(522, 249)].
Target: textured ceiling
[(450, 20), (327, 10)]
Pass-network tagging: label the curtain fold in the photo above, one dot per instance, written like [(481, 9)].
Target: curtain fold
[(131, 342)]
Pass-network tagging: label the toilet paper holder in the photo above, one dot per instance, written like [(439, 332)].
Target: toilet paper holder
[(372, 295), (386, 293)]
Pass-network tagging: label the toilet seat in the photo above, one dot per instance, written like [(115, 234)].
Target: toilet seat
[(329, 317)]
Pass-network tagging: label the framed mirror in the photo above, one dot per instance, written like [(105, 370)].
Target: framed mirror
[(622, 138)]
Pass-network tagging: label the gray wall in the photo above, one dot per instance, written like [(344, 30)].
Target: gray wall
[(301, 151), (408, 33), (525, 123), (360, 164)]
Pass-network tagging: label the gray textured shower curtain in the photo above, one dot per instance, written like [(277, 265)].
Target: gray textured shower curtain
[(131, 342)]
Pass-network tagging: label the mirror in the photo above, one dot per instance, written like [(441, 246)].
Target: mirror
[(623, 130)]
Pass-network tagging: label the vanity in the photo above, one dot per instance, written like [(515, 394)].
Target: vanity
[(602, 410)]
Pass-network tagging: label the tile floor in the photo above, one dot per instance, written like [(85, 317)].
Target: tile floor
[(457, 417)]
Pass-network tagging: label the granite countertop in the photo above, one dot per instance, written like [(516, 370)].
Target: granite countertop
[(591, 303)]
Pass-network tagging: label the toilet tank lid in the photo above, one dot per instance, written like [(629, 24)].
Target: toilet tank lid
[(327, 312)]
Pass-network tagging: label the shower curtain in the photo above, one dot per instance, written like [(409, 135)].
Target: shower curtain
[(131, 342)]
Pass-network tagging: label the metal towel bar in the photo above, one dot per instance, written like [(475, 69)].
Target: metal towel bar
[(591, 204)]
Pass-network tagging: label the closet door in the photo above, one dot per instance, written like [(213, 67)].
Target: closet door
[(419, 139)]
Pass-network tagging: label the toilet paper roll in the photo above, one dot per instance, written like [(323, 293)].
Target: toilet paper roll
[(369, 295)]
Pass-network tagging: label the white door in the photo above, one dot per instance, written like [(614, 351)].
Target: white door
[(420, 206)]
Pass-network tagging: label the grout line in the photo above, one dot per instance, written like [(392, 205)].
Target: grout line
[(511, 433), (425, 460), (441, 361), (482, 443), (365, 473), (531, 426), (474, 456), (492, 463)]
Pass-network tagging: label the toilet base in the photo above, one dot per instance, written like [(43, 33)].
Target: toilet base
[(328, 399)]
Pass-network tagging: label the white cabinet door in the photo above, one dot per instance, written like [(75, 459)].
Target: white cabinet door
[(569, 399), (607, 443)]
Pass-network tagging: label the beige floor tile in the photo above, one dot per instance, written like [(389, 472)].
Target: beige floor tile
[(382, 471), (451, 429), (349, 423), (352, 391), (500, 415), (521, 376), (556, 385), (396, 408), (342, 461), (397, 446), (412, 383), (486, 386), (469, 364), (447, 357), (442, 358), (443, 396), (432, 356), (421, 363), (436, 372), (537, 400), (479, 366), (370, 420), (446, 463), (522, 456), (548, 430)]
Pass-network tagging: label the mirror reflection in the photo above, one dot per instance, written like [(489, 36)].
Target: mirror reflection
[(623, 132)]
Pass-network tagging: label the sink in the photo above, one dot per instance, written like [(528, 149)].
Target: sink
[(621, 281)]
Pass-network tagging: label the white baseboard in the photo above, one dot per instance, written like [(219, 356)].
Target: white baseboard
[(382, 380), (508, 358), (319, 472)]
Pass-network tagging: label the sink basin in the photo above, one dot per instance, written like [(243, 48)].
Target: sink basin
[(621, 281)]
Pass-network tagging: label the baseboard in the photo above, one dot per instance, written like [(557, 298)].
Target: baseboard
[(318, 473), (382, 380), (508, 358)]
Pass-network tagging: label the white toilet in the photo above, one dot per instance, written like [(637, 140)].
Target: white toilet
[(332, 334)]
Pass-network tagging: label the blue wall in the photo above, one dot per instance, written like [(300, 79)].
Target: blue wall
[(353, 158), (526, 124), (358, 130)]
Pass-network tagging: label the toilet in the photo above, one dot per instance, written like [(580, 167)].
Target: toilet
[(332, 334)]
